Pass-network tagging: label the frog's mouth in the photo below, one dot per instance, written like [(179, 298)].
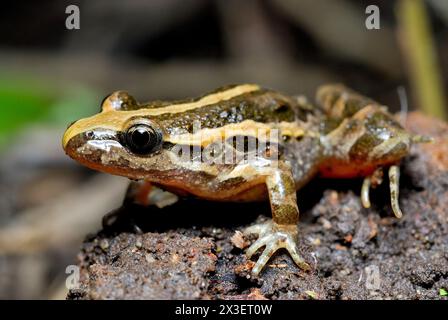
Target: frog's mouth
[(92, 149)]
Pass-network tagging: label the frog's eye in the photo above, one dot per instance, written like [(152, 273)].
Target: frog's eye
[(142, 138)]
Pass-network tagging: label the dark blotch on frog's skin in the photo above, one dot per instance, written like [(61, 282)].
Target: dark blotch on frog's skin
[(360, 150)]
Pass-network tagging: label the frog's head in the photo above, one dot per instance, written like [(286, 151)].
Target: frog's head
[(158, 141), (124, 139)]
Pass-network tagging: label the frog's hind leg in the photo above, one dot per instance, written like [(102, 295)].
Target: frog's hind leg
[(281, 231), (370, 182), (365, 192), (394, 178), (394, 185)]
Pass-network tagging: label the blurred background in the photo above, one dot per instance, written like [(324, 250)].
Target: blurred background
[(172, 49)]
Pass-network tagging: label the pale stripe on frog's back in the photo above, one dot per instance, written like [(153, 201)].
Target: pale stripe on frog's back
[(116, 119)]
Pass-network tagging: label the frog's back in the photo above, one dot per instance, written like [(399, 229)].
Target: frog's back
[(231, 105)]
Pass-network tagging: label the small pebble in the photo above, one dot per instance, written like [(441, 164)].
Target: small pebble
[(104, 244), (149, 258)]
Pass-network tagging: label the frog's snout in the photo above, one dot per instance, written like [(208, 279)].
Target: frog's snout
[(72, 143), (69, 134), (82, 149), (88, 147)]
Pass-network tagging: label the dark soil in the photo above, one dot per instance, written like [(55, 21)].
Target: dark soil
[(185, 251)]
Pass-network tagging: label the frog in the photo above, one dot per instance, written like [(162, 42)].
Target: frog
[(246, 143)]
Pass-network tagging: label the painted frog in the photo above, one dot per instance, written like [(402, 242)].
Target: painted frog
[(245, 143)]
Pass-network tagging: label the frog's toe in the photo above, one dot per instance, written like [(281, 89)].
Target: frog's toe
[(273, 237), (261, 242), (291, 246), (264, 257), (257, 229)]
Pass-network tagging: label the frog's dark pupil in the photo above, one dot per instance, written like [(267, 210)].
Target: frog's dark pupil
[(142, 139)]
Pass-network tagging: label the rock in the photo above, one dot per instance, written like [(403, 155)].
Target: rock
[(185, 251)]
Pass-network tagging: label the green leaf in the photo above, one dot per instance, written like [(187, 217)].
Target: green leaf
[(20, 106), (25, 101), (73, 105)]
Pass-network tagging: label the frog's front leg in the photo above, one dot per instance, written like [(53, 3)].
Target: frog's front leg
[(145, 193), (282, 230)]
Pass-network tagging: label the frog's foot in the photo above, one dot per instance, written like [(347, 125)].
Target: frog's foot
[(376, 179), (274, 236)]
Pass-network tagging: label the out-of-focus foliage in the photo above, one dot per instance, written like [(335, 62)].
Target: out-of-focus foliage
[(25, 102), (21, 103)]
